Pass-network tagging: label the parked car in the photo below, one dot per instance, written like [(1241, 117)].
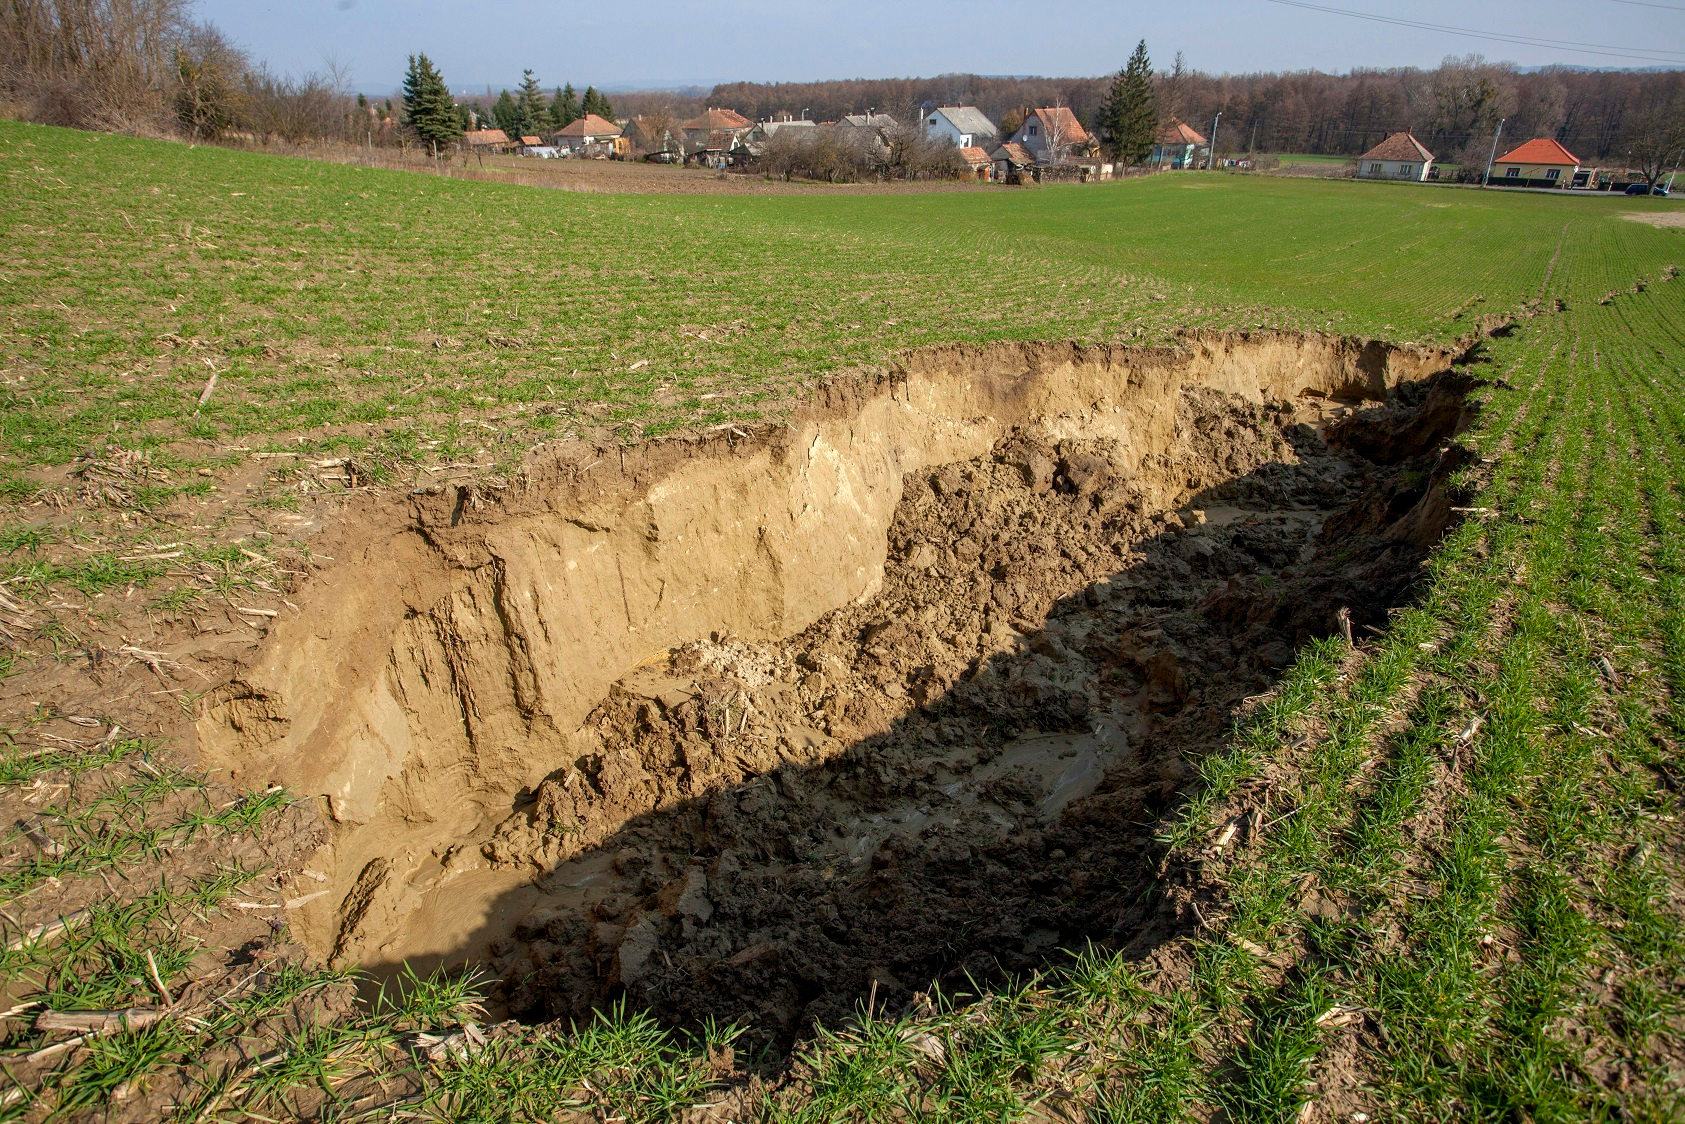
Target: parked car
[(1645, 189)]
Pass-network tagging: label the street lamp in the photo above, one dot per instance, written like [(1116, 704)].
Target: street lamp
[(1487, 182)]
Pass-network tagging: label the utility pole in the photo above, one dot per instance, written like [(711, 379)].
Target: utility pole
[(1253, 147), (1211, 164), (1487, 181)]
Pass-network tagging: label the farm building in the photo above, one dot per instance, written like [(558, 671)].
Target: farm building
[(1399, 157), (535, 146), (1177, 146), (488, 140), (1540, 162), (978, 161), (1052, 135), (1013, 163), (592, 135), (965, 125)]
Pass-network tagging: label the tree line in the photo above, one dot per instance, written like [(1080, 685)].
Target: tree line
[(1600, 115)]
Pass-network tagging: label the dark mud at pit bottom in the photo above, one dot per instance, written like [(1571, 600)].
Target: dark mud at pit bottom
[(964, 775)]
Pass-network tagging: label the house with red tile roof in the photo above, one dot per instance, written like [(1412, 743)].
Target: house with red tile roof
[(713, 133), (1177, 146), (592, 135), (1540, 162), (1399, 157), (977, 159), (1052, 136)]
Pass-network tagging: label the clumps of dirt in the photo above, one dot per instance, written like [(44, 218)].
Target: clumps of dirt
[(963, 774)]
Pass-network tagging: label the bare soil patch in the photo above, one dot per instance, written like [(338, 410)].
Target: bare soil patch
[(1657, 218)]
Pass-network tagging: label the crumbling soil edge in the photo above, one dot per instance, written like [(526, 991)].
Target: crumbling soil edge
[(440, 667)]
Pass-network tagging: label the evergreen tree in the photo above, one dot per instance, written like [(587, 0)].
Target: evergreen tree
[(530, 110), (566, 109), (428, 108), (1129, 117), (595, 103), (554, 119), (504, 112)]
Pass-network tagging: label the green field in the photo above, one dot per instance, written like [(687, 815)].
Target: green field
[(1491, 787)]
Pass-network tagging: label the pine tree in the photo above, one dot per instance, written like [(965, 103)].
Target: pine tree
[(596, 103), (428, 108), (1129, 116), (530, 109), (503, 111), (566, 109)]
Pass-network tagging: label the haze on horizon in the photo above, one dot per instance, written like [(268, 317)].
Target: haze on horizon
[(655, 44)]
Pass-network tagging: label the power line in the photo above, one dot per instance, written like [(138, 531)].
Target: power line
[(1648, 4), (1602, 49)]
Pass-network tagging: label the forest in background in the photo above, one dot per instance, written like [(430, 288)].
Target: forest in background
[(1453, 108)]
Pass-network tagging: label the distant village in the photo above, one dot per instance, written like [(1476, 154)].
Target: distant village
[(1037, 144)]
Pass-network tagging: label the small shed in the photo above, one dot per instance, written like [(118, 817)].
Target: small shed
[(1013, 163), (1399, 157), (488, 140), (978, 161)]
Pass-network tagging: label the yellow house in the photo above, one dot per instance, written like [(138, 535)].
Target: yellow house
[(1538, 163)]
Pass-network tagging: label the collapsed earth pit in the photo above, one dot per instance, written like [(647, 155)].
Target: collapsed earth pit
[(894, 693)]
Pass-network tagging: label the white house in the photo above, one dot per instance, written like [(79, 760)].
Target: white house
[(1399, 157), (965, 125)]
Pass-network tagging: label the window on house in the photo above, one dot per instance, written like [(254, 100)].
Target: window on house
[(1552, 173), (1406, 170), (1032, 131), (1374, 169), (1513, 173)]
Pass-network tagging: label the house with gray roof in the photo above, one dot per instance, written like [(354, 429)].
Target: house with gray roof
[(965, 125), (879, 121)]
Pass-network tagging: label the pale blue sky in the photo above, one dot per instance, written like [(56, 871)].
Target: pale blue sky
[(680, 42)]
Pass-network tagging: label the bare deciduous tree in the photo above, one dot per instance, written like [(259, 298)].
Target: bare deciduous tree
[(1655, 130), (210, 76), (92, 63)]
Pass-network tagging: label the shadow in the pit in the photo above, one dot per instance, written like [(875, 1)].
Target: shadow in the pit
[(1010, 816)]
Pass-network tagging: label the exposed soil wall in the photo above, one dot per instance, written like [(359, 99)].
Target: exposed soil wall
[(524, 710)]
